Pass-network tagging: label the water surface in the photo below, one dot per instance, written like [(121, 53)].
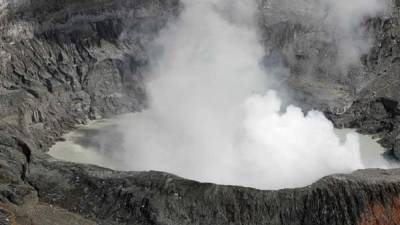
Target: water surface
[(99, 141)]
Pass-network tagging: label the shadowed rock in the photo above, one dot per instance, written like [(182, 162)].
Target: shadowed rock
[(64, 62)]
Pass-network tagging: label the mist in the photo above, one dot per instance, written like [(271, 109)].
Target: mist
[(338, 23), (210, 115)]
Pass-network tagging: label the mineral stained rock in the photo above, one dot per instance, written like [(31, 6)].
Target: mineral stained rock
[(65, 62)]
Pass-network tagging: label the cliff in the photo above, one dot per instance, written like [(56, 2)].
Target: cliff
[(65, 62)]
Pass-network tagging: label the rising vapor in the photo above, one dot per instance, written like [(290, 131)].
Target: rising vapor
[(337, 22), (211, 116)]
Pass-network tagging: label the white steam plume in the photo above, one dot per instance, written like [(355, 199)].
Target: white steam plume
[(333, 21), (211, 117)]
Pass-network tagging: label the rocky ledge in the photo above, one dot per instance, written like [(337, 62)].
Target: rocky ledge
[(65, 62)]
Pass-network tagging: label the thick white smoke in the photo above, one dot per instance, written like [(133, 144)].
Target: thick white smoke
[(211, 117)]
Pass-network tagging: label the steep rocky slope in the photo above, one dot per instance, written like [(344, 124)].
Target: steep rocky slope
[(363, 96), (64, 62)]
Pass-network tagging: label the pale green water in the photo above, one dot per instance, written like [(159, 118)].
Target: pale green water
[(84, 145), (96, 142), (371, 151)]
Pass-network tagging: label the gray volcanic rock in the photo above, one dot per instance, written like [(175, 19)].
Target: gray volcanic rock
[(375, 110), (108, 197), (64, 62), (365, 96)]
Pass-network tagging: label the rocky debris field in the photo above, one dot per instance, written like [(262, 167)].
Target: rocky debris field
[(63, 63)]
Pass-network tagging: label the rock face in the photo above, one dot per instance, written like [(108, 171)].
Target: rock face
[(363, 96), (64, 62), (365, 197)]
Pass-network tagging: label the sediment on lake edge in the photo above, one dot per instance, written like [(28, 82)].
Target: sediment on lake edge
[(59, 68)]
